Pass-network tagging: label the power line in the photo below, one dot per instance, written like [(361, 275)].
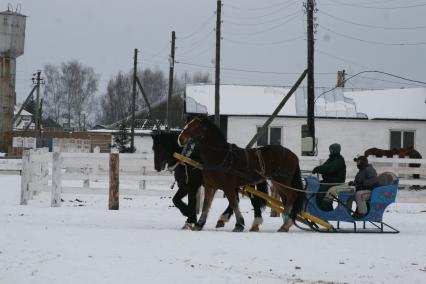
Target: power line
[(258, 8), (247, 70), (259, 23), (200, 40), (372, 26), (371, 41), (264, 43), (371, 71), (388, 81), (197, 30), (200, 53), (340, 58), (268, 14), (379, 8), (268, 29)]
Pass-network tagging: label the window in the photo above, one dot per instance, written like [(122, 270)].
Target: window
[(272, 136), (401, 139)]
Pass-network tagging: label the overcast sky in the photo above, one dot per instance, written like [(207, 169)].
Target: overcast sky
[(267, 36)]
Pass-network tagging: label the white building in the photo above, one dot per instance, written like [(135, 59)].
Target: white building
[(23, 120), (358, 120)]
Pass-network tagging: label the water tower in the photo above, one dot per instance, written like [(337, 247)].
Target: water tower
[(12, 38)]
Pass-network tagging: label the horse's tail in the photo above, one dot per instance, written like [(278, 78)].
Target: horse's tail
[(298, 204)]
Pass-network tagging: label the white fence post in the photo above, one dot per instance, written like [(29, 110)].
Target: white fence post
[(45, 167), (33, 173), (56, 179), (25, 177), (395, 166)]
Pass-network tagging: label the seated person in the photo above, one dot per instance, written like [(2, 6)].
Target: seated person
[(333, 171), (365, 181)]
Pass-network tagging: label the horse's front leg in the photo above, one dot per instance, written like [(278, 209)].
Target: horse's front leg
[(208, 198), (232, 196)]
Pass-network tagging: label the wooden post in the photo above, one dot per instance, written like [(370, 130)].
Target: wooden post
[(86, 173), (25, 177), (56, 179), (114, 180)]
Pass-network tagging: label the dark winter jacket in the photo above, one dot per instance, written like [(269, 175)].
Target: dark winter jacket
[(366, 178), (333, 170)]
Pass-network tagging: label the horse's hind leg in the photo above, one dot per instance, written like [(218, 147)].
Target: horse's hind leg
[(258, 203), (258, 220), (208, 198), (226, 215), (288, 197), (232, 196), (287, 221)]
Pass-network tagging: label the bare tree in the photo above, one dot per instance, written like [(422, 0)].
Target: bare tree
[(155, 85), (116, 103), (54, 99), (200, 77), (79, 83)]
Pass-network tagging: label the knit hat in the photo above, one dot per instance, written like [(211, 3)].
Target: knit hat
[(334, 148), (361, 159)]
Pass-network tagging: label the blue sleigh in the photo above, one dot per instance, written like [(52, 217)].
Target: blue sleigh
[(381, 198)]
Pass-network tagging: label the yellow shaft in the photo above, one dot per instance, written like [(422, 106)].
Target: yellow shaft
[(273, 203)]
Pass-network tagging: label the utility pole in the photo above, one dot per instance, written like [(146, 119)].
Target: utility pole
[(217, 73), (171, 72), (310, 8), (37, 103), (135, 69)]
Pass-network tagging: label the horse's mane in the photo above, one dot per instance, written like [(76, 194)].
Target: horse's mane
[(212, 126), (168, 138)]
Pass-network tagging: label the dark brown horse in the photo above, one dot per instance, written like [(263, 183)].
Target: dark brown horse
[(190, 179), (226, 167), (380, 152), (408, 151)]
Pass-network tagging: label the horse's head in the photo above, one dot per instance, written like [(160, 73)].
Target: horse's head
[(164, 145), (193, 130)]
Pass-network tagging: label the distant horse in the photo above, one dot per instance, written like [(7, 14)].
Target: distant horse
[(380, 152), (408, 151), (190, 179), (226, 167)]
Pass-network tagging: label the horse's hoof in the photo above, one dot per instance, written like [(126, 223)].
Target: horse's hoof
[(220, 224), (188, 226), (283, 229), (238, 228), (254, 228), (197, 228)]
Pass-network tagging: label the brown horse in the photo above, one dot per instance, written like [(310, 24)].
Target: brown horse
[(408, 151), (226, 167), (380, 152)]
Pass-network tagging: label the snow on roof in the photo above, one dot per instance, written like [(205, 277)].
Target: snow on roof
[(261, 100), (238, 100), (392, 103), (23, 112)]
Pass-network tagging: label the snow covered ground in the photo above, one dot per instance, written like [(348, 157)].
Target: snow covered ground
[(83, 242)]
